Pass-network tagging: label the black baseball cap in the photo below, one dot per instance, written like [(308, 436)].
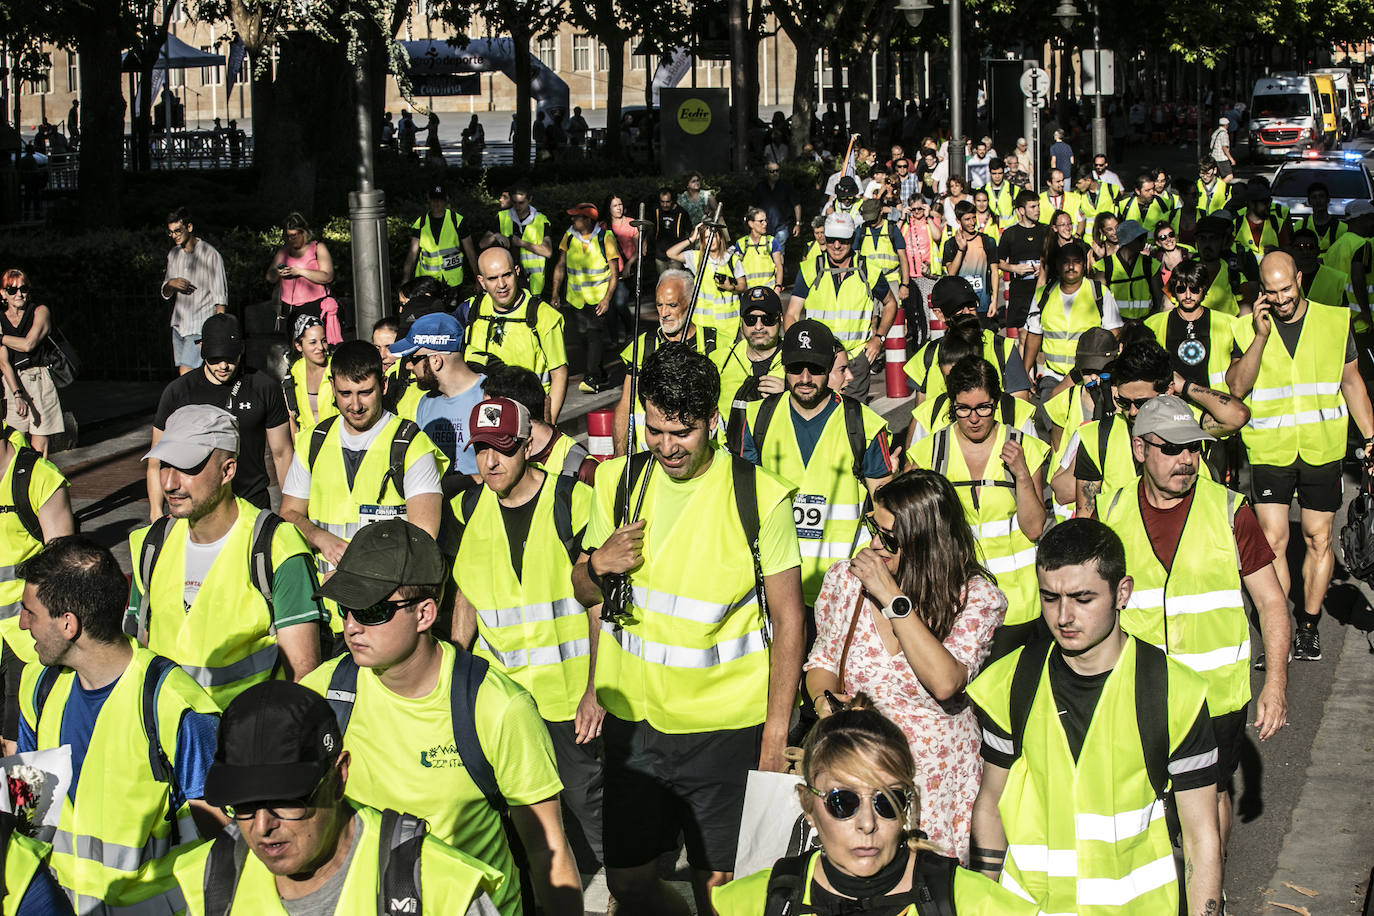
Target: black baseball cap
[(846, 187), (277, 741), (436, 192), (808, 342), (952, 294), (761, 299), (1096, 350), (220, 339), (382, 557)]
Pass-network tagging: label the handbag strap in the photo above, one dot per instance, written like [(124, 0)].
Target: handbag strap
[(849, 636)]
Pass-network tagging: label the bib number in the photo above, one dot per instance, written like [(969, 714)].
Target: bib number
[(453, 261), (808, 514), (976, 281), (370, 515)]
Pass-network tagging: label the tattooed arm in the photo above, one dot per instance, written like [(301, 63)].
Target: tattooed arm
[(1197, 815), (1222, 414)]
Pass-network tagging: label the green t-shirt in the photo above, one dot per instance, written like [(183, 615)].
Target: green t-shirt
[(403, 757)]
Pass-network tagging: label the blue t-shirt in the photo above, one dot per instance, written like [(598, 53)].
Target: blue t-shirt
[(445, 421), (196, 736), (877, 460), (43, 897)]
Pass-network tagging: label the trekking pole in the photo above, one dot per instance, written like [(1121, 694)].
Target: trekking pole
[(714, 226)]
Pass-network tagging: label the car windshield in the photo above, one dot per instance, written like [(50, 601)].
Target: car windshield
[(1293, 105), (1341, 97), (1343, 183)]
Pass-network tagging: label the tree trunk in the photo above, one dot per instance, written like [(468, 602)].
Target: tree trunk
[(615, 91), (860, 96), (739, 83), (102, 134), (803, 108), (520, 152)]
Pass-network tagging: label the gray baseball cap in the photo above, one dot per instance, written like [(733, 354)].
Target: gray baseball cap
[(1171, 420), (192, 433)]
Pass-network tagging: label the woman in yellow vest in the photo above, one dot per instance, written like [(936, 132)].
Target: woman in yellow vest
[(1000, 476), (859, 797), (759, 253), (309, 394), (721, 279)]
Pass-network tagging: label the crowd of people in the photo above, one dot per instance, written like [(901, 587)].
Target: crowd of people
[(1010, 637)]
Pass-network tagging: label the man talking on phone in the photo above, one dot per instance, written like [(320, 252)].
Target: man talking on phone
[(1299, 400)]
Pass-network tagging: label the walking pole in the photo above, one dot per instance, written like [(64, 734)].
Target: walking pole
[(714, 225)]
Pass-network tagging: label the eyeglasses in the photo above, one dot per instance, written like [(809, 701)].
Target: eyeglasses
[(767, 320), (297, 810), (1137, 403), (887, 539), (1174, 449), (17, 290), (379, 613), (842, 804), (1164, 237), (967, 410), (771, 171), (173, 233)]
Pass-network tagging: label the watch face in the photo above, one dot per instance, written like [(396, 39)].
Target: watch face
[(901, 606)]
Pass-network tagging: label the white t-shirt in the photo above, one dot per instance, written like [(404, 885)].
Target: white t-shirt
[(1111, 314), (421, 477), (729, 265), (199, 559), (978, 170)]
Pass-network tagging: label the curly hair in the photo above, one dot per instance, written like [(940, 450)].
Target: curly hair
[(680, 382)]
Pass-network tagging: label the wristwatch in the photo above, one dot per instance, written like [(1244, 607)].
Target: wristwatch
[(900, 606)]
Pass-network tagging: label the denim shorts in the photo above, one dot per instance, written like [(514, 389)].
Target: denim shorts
[(186, 350)]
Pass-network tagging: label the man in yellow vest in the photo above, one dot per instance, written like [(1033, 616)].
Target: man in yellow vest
[(434, 731), (145, 728), (1320, 283), (1232, 273), (439, 245), (834, 448), (1261, 227), (1061, 312), (701, 644), (1212, 192), (1299, 376), (751, 369), (196, 594), (1144, 206), (522, 531), (881, 241), (1131, 274), (1192, 543), (526, 231), (1092, 745), (1055, 198), (847, 292), (281, 772), (589, 259), (513, 326), (1324, 224)]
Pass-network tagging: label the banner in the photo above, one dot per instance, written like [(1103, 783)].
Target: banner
[(237, 52), (437, 57), (672, 70), (695, 124)]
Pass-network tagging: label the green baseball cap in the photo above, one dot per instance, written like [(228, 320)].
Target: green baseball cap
[(382, 557)]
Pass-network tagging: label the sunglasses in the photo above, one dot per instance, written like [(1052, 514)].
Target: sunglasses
[(296, 810), (379, 613), (1164, 236), (771, 171), (1173, 449), (17, 290), (888, 540), (842, 804), (1185, 288), (769, 320), (1128, 403)]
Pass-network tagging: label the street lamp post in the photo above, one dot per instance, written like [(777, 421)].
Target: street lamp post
[(1067, 13), (367, 216), (956, 90)]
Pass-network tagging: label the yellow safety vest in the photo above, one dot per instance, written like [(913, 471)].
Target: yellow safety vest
[(1154, 214), (1103, 201), (695, 655), (513, 336), (1220, 296), (923, 368), (534, 233), (1193, 610), (1269, 235), (17, 545), (530, 627), (1130, 285), (589, 270), (1088, 836), (757, 260), (1117, 463), (848, 311), (1213, 200), (226, 640), (441, 257), (715, 307), (828, 507), (298, 397), (1059, 334), (875, 243), (1221, 337), (1296, 407), (1329, 288), (932, 415), (409, 403), (449, 878), (1325, 239), (990, 508), (23, 857), (116, 843), (736, 369), (1002, 201)]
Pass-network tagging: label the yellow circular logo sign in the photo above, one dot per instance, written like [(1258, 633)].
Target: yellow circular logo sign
[(694, 116)]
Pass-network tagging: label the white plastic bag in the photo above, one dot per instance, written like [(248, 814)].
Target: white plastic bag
[(772, 825)]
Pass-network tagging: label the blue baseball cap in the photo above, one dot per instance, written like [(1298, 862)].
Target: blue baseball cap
[(437, 331)]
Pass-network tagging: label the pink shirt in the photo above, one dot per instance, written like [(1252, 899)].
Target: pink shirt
[(299, 290), (626, 237)]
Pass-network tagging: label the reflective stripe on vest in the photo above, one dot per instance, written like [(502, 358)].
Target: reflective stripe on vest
[(589, 271), (876, 245), (113, 855), (1130, 286), (260, 662), (669, 656), (848, 312), (716, 307), (534, 231), (441, 257), (757, 260), (540, 655), (169, 901)]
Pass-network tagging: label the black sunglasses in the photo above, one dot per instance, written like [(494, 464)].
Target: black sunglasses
[(1128, 403), (842, 804), (1173, 449), (16, 290), (379, 613), (889, 541), (756, 318), (1177, 288)]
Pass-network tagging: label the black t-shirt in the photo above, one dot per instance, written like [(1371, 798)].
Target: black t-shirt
[(670, 227), (1189, 344), (517, 520), (1289, 331), (1017, 246), (255, 400)]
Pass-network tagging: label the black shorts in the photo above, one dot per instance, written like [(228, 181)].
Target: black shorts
[(1229, 730), (1318, 486), (660, 786)]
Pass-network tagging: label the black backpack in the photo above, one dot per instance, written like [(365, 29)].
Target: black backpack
[(497, 323), (1357, 537), (398, 862), (20, 503), (932, 887), (562, 512), (405, 434)]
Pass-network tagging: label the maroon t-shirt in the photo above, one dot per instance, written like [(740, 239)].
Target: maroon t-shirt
[(1165, 528)]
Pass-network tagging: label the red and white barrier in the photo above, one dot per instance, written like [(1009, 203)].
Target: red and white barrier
[(894, 352), (601, 434)]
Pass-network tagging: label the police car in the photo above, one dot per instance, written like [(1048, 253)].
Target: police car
[(1344, 173)]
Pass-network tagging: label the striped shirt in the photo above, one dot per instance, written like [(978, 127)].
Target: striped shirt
[(204, 269)]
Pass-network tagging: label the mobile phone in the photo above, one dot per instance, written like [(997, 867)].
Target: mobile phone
[(835, 704), (281, 266)]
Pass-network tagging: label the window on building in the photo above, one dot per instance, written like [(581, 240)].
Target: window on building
[(73, 74), (582, 53), (548, 52), (637, 61), (603, 57), (178, 13), (211, 76), (41, 84), (176, 78)]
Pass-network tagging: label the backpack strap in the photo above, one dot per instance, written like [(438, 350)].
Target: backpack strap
[(745, 485), (708, 340), (562, 515), (46, 679), (933, 884), (572, 462), (158, 669), (468, 672), (317, 437), (342, 692), (260, 569), (854, 429), (228, 852), (1152, 712), (1007, 406), (398, 863), (405, 434), (1045, 296), (1025, 682), (469, 502), (288, 391), (24, 461), (1001, 349), (147, 561), (1097, 296), (762, 421), (787, 886), (939, 456), (629, 475), (1104, 439)]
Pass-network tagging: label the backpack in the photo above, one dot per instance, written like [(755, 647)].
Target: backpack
[(403, 836), (259, 565), (651, 342), (1151, 709), (472, 307), (747, 391), (468, 672), (939, 462), (932, 887), (158, 669), (405, 434), (1357, 537), (563, 486), (1045, 295), (853, 428), (20, 502)]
